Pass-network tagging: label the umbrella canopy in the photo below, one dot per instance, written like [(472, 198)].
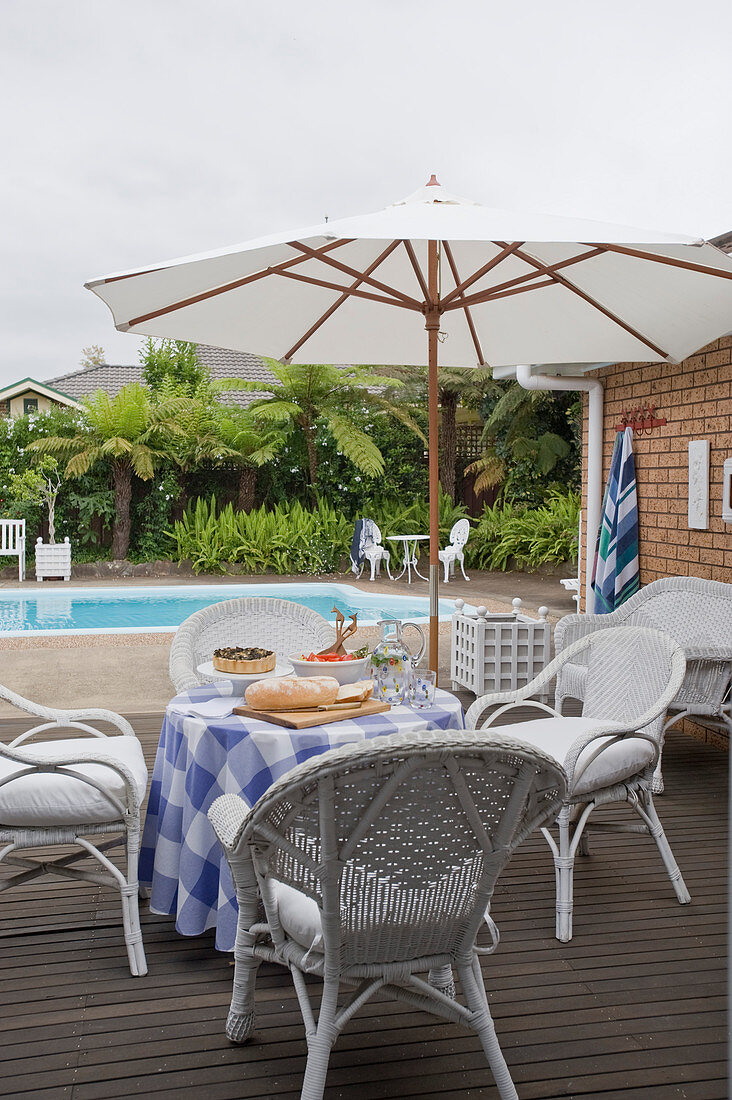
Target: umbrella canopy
[(616, 574), (533, 289), (491, 286)]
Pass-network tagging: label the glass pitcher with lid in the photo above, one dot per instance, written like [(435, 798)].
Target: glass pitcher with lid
[(392, 661)]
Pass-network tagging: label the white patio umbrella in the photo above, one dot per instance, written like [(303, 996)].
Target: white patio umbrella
[(489, 286)]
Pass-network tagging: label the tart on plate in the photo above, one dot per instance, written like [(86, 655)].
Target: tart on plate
[(245, 661)]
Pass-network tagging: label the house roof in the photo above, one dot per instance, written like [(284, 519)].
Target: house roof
[(221, 362), (723, 242), (224, 363), (111, 379), (31, 385)]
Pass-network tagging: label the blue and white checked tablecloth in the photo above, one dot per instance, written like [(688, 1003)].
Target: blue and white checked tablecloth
[(205, 751)]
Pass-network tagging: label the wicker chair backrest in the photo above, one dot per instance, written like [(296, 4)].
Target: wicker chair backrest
[(400, 839), (629, 668), (694, 611), (281, 625), (691, 621)]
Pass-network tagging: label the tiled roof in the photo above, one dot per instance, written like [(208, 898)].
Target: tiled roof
[(88, 380), (723, 241), (221, 362), (224, 363)]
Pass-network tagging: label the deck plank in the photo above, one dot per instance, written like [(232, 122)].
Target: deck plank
[(632, 1009)]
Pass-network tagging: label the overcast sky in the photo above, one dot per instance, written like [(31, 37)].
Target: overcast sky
[(137, 130)]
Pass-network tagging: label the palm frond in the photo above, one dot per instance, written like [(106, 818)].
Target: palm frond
[(355, 445)]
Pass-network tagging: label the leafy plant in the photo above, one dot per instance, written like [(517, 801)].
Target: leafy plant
[(305, 396), (127, 434), (173, 362), (286, 539), (89, 506), (531, 443), (38, 484), (510, 535)]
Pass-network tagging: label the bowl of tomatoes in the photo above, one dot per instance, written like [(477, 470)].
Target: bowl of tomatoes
[(346, 668)]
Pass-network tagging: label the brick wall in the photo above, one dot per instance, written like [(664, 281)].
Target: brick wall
[(696, 400)]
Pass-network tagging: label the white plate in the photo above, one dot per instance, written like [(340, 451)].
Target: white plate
[(282, 668)]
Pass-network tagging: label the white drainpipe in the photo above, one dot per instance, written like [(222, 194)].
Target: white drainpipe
[(530, 381)]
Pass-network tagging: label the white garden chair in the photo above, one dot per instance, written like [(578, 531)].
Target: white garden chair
[(454, 551), (376, 863), (374, 553), (698, 614), (281, 625), (61, 792), (610, 752), (12, 542)]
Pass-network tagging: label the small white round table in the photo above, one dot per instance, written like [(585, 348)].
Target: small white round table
[(410, 554)]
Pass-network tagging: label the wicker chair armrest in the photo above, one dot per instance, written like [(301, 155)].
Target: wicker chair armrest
[(572, 627), (708, 653), (228, 815), (61, 717), (546, 675)]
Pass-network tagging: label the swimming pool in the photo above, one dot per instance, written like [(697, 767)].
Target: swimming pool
[(158, 609)]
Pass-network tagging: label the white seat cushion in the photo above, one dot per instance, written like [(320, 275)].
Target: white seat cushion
[(299, 915), (48, 799), (556, 736)]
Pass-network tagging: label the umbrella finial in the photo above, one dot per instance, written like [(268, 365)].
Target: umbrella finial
[(432, 181)]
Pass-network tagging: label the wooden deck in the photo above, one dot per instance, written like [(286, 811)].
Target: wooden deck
[(633, 1008)]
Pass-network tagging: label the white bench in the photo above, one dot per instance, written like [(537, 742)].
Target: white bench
[(12, 542)]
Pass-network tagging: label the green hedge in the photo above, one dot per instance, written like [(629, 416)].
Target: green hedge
[(292, 539), (513, 536)]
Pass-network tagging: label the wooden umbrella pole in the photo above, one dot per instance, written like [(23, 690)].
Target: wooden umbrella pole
[(432, 324)]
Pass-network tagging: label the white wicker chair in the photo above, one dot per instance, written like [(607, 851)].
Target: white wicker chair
[(609, 753), (280, 625), (60, 792), (376, 863), (455, 549), (698, 615)]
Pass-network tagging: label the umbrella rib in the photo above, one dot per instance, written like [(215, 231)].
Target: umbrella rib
[(362, 277), (343, 298), (671, 260), (346, 290), (214, 291), (596, 305), (409, 248), (506, 251), (468, 318), (516, 290), (497, 290)]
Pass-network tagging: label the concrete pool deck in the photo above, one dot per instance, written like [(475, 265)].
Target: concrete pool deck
[(129, 672)]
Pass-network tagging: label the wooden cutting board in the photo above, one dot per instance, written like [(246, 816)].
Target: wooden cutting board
[(302, 719)]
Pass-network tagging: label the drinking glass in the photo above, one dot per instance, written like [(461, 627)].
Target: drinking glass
[(421, 688)]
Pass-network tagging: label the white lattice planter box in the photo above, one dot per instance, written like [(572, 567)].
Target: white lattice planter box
[(53, 560), (492, 652)]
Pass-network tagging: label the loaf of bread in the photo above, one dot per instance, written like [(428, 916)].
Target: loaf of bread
[(356, 693), (289, 692)]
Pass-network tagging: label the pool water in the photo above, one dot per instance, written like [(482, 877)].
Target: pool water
[(139, 609)]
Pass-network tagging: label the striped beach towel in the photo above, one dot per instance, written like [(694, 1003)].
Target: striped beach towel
[(615, 575)]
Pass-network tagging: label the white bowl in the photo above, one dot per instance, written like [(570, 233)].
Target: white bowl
[(345, 672)]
